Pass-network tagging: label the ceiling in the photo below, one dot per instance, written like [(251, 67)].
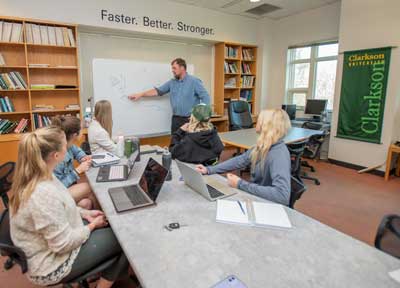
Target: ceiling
[(239, 7)]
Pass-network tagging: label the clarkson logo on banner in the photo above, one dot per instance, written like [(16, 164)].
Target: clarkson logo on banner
[(363, 93)]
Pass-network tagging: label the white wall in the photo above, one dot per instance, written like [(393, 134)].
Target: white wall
[(369, 24), (311, 26), (88, 12)]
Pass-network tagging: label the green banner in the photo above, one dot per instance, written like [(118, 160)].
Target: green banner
[(362, 97)]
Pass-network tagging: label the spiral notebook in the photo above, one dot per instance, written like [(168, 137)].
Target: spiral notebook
[(252, 213)]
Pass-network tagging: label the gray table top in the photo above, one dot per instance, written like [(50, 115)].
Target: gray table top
[(205, 252), (247, 138)]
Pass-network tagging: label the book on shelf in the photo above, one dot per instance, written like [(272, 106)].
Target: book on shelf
[(2, 61), (6, 105), (12, 81), (231, 52), (246, 68), (65, 86), (246, 95), (247, 81), (230, 82), (40, 121), (42, 86), (72, 107), (16, 32), (231, 68), (247, 54), (7, 126), (49, 35), (43, 107), (38, 65)]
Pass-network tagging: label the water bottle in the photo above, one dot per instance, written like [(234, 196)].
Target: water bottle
[(166, 162), (128, 148), (120, 146), (136, 146)]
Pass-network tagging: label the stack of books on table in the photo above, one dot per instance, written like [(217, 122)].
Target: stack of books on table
[(6, 105), (49, 35), (10, 32), (42, 86), (72, 107), (7, 126), (12, 81)]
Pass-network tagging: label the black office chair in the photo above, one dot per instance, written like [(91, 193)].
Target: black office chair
[(6, 174), (296, 151), (388, 235), (239, 115), (297, 189), (18, 256)]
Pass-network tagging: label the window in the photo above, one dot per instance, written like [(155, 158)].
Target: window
[(311, 73)]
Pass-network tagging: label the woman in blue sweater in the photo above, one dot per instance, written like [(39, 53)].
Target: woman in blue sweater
[(269, 160)]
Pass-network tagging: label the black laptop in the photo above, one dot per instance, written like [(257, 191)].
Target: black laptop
[(113, 173), (142, 194)]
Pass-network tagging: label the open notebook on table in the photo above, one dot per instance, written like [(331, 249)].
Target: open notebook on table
[(252, 213)]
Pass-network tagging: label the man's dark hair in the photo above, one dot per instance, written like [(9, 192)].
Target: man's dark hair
[(180, 62)]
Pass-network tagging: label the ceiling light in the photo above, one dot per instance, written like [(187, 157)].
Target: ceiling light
[(254, 1)]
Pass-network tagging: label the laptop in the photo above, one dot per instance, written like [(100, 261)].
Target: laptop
[(210, 188), (117, 172), (104, 158), (144, 193)]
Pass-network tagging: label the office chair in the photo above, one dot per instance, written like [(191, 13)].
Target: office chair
[(296, 151), (18, 256), (86, 148), (388, 235), (297, 188), (239, 115), (6, 174)]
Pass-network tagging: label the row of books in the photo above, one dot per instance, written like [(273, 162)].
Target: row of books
[(231, 52), (7, 126), (247, 81), (246, 95), (51, 86), (43, 107), (230, 68), (12, 81), (2, 61), (49, 35), (10, 31), (246, 68), (40, 121), (230, 82), (247, 54), (6, 105)]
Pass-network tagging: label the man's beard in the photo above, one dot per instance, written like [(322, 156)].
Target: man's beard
[(176, 77)]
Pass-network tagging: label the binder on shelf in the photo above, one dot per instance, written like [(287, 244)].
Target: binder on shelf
[(36, 34), (44, 36), (71, 37), (6, 34), (16, 32), (59, 36), (65, 36), (52, 35), (28, 33)]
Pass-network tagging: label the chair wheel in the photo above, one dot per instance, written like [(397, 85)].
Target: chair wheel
[(8, 264), (317, 182), (312, 169)]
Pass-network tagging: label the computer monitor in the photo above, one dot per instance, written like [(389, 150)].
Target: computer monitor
[(290, 110), (315, 106)]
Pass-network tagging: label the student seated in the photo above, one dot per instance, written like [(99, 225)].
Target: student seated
[(269, 160), (100, 129), (46, 223), (65, 171), (197, 141)]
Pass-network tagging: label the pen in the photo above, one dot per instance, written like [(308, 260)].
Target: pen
[(241, 207), (109, 154)]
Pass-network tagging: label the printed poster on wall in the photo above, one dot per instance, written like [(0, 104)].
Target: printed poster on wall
[(363, 93)]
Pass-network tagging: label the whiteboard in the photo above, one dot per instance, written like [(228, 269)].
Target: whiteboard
[(114, 80)]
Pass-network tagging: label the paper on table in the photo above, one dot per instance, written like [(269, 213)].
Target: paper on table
[(270, 214), (230, 212), (395, 275)]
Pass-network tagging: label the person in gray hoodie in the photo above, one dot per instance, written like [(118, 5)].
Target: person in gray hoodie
[(269, 160)]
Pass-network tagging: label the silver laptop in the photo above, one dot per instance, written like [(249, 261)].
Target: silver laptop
[(210, 188), (117, 172)]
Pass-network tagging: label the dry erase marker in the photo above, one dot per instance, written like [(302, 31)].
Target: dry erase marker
[(241, 207)]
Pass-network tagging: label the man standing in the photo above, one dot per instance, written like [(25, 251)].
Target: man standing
[(186, 91)]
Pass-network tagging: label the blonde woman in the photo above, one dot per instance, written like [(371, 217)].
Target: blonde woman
[(197, 141), (46, 223), (100, 129), (269, 160)]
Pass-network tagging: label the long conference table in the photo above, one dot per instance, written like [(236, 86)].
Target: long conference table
[(246, 138), (204, 252)]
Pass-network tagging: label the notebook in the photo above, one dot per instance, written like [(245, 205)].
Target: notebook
[(254, 213), (103, 159)]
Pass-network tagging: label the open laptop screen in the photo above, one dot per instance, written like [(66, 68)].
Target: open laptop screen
[(153, 178)]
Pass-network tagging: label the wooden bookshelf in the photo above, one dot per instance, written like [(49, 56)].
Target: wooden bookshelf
[(18, 57), (222, 93)]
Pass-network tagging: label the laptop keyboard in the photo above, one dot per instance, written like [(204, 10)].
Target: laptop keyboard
[(135, 195), (116, 172), (214, 193)]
